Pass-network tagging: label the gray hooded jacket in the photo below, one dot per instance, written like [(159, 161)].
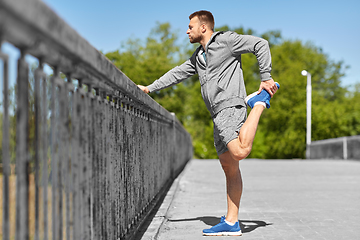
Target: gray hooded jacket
[(220, 72)]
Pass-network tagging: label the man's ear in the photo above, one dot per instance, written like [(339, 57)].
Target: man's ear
[(203, 28)]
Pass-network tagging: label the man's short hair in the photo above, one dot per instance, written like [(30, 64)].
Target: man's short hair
[(204, 17)]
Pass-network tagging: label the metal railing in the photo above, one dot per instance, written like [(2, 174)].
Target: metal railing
[(336, 148), (92, 151)]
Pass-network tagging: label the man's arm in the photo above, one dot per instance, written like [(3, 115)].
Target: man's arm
[(261, 49), (172, 77)]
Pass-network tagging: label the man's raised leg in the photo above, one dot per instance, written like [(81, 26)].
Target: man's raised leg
[(240, 147)]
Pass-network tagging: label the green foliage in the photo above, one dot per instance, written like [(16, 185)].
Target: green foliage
[(284, 125), (282, 128)]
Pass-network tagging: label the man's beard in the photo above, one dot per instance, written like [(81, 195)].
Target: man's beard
[(195, 39)]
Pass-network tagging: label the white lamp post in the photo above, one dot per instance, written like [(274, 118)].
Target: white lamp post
[(308, 112)]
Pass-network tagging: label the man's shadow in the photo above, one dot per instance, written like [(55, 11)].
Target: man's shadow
[(246, 225)]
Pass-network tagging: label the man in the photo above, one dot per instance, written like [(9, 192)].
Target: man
[(217, 61)]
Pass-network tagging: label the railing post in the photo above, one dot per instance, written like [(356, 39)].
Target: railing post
[(22, 156), (5, 147), (90, 135), (345, 150), (54, 130), (37, 150), (173, 157)]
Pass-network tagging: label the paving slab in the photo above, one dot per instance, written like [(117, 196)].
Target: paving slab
[(282, 199)]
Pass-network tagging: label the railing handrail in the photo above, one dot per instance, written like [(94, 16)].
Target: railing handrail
[(334, 140)]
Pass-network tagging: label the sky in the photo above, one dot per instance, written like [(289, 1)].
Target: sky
[(331, 25)]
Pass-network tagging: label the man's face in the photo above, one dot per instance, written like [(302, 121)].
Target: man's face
[(194, 30)]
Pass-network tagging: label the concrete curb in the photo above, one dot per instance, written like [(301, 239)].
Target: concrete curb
[(153, 229)]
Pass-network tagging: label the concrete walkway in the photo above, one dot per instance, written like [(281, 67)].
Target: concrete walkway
[(294, 199)]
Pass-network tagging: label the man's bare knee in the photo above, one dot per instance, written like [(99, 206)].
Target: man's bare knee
[(240, 153), (237, 150)]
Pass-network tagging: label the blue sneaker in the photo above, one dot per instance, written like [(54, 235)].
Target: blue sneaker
[(264, 96), (223, 229)]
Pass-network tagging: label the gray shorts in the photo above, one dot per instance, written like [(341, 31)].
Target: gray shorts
[(227, 124)]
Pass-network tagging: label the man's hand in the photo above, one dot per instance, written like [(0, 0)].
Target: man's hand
[(143, 88), (269, 86)]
